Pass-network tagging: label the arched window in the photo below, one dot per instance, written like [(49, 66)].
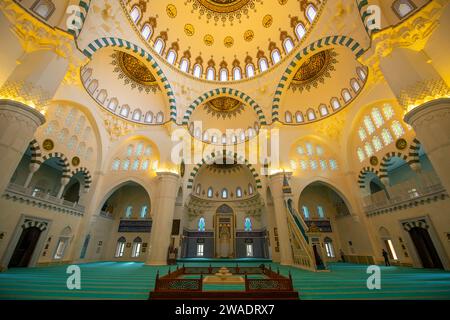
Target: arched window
[(224, 139), (250, 70), (130, 150), (311, 115), (93, 86), (128, 212), (171, 57), (145, 165), (223, 74), (211, 74), (136, 250), (250, 189), (197, 71), (377, 143), (210, 192), (86, 74), (403, 8), (224, 194), (159, 45), (320, 212), (126, 165), (135, 166), (311, 13), (369, 125), (323, 110), (369, 149), (239, 192), (248, 224), (102, 95), (355, 85), (387, 137), (125, 111), (263, 65), (288, 45), (234, 139), (160, 117), (329, 247), (388, 111), (135, 14), (144, 211), (51, 128), (198, 189), (120, 247), (276, 56), (72, 142), (243, 136), (361, 73), (346, 95), (288, 117), (139, 149), (146, 31), (377, 117), (305, 212), (300, 31), (137, 114), (184, 65), (237, 74), (44, 8), (362, 134), (149, 117), (113, 103), (116, 165), (335, 103), (205, 136), (213, 138), (201, 224), (299, 117)]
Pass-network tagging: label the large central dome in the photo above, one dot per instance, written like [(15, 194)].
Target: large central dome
[(223, 40)]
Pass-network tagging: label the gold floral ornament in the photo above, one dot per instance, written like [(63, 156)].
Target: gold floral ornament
[(134, 72), (208, 40), (189, 30), (228, 42), (224, 107), (223, 10), (314, 70), (76, 161), (48, 145), (171, 11)]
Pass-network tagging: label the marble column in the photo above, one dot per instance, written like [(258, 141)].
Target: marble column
[(431, 122), (18, 124), (163, 218), (276, 187)]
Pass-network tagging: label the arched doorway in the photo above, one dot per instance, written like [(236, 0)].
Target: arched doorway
[(425, 248), (224, 232), (25, 247)]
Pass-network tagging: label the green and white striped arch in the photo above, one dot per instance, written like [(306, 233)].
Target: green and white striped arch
[(229, 92), (344, 41), (127, 45), (196, 169), (84, 6)]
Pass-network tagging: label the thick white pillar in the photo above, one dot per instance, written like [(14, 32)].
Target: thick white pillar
[(18, 124), (163, 218), (431, 122), (64, 182), (34, 167), (276, 187)]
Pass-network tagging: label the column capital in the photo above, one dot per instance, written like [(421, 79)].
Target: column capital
[(168, 175), (428, 111), (37, 118)]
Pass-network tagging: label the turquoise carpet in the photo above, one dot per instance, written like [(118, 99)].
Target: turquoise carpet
[(111, 280)]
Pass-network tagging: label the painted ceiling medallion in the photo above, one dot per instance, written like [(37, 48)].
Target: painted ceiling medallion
[(224, 168), (314, 70), (267, 21), (171, 11), (189, 30), (224, 10), (134, 72), (249, 35), (224, 107), (208, 40), (228, 42)]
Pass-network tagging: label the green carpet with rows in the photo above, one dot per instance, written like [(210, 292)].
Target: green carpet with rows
[(113, 280)]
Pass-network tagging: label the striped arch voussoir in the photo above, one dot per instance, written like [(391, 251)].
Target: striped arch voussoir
[(36, 155), (210, 158), (415, 224), (34, 223), (63, 162), (384, 162), (87, 177), (79, 18), (224, 91), (124, 44), (414, 149), (344, 41), (362, 176)]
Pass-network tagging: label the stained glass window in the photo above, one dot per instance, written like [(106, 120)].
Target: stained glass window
[(139, 149), (369, 149), (126, 165), (397, 128), (309, 149), (239, 192), (144, 165), (320, 212), (135, 165), (333, 165), (300, 31), (250, 189), (303, 165), (248, 224), (319, 151), (224, 194), (377, 143), (377, 117), (305, 212), (362, 134), (148, 151), (369, 125), (361, 155), (129, 211), (300, 151), (201, 225), (388, 111), (144, 212), (116, 165), (210, 193), (313, 164), (323, 165), (387, 137)]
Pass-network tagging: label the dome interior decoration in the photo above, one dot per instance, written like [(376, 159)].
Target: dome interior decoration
[(224, 107)]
